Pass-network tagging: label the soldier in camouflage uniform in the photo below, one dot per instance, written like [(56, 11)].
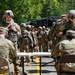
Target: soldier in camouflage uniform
[(57, 35), (48, 39), (44, 39), (25, 41), (35, 41), (58, 29), (65, 47), (39, 37), (13, 30), (63, 18), (68, 23), (54, 33), (71, 21), (7, 49)]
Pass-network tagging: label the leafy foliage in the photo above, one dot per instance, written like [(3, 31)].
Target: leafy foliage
[(26, 10)]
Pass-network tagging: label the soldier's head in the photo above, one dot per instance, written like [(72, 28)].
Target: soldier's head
[(70, 34), (8, 14), (58, 22), (3, 31), (40, 28), (29, 27), (72, 15), (63, 18), (43, 27), (32, 28), (63, 15), (23, 26)]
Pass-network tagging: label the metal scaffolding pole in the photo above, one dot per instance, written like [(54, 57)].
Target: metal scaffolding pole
[(22, 54)]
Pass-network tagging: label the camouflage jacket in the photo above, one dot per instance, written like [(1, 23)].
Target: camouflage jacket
[(7, 48)]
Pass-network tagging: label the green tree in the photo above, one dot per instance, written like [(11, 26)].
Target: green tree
[(26, 10)]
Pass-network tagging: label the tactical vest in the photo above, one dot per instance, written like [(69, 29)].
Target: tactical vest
[(12, 36)]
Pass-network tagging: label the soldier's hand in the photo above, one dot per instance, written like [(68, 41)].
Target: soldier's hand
[(59, 34), (13, 28)]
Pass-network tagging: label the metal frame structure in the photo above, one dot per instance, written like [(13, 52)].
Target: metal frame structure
[(22, 54)]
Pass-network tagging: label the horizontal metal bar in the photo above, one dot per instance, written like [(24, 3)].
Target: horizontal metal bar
[(34, 54)]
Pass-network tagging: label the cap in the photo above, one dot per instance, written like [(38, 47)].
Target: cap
[(70, 32), (2, 30)]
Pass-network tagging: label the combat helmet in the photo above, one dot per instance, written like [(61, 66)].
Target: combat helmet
[(23, 25), (72, 14), (2, 30), (70, 33), (8, 13), (63, 15)]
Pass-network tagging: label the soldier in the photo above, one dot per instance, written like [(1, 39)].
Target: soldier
[(39, 37), (65, 47), (13, 28), (25, 41), (44, 39), (63, 18), (55, 33), (33, 31), (35, 41), (7, 49), (49, 41), (70, 24), (59, 28)]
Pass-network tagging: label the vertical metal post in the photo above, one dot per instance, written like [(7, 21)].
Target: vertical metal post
[(40, 61), (40, 65), (22, 64)]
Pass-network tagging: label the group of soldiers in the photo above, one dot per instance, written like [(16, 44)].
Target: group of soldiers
[(9, 34), (23, 38), (28, 38), (63, 40)]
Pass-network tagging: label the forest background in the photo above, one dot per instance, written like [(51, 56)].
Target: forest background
[(28, 10)]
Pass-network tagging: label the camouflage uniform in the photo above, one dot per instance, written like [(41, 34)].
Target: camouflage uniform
[(39, 37), (44, 40), (25, 41), (48, 39), (53, 33), (57, 31), (65, 46), (34, 37), (11, 34), (70, 24), (7, 49), (13, 31)]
